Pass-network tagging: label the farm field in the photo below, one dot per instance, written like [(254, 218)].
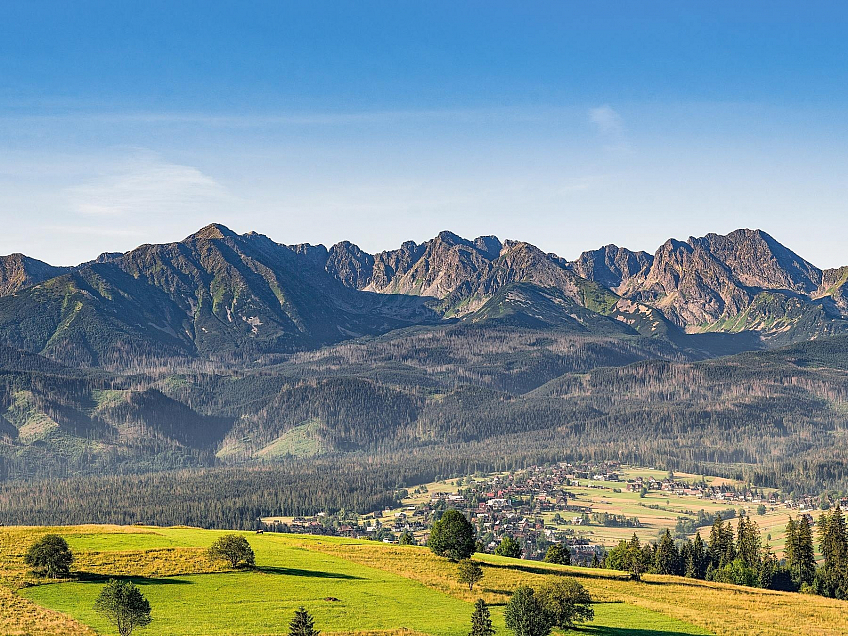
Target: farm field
[(356, 587)]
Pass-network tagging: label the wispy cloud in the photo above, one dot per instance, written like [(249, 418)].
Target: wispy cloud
[(94, 230), (146, 186), (610, 126), (607, 120)]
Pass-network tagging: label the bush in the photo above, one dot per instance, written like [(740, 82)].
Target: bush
[(234, 549), (50, 556)]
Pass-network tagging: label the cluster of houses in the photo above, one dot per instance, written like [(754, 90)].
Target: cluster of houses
[(533, 506)]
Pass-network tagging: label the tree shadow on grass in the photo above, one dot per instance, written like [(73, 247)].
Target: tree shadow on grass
[(309, 573), (552, 571), (593, 630), (91, 577)]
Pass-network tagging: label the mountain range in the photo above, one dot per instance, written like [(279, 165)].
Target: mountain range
[(220, 294), (224, 348)]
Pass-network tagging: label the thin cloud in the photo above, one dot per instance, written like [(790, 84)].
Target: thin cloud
[(93, 230), (145, 188), (607, 120)]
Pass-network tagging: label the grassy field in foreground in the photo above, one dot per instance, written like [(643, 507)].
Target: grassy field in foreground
[(380, 590)]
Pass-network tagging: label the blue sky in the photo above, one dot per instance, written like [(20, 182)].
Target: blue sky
[(568, 124)]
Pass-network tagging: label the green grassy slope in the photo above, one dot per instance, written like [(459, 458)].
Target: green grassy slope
[(290, 574)]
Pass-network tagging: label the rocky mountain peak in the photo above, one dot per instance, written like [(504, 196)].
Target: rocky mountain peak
[(211, 232)]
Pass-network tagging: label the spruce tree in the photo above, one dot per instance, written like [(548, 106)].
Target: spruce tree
[(748, 542), (666, 557), (716, 547), (481, 621), (790, 549), (699, 556), (302, 624), (834, 541), (806, 555)]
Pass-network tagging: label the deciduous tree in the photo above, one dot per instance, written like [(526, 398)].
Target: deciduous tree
[(469, 573), (123, 605), (234, 549), (452, 536), (50, 556)]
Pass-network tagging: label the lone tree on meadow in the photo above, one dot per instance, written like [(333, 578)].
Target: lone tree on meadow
[(566, 602), (481, 620), (525, 615), (452, 536), (50, 556), (469, 573), (234, 549), (509, 547), (302, 624), (559, 554), (123, 605)]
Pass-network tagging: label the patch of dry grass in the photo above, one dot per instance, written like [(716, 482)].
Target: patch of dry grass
[(21, 617), (152, 563)]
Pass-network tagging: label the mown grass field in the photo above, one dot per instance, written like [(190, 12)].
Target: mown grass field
[(380, 589)]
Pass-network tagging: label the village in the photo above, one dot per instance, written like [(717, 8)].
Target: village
[(589, 507)]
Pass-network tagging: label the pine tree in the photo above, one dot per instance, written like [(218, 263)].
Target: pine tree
[(481, 621), (748, 542), (302, 624), (806, 555), (790, 549), (834, 541), (699, 556), (666, 557)]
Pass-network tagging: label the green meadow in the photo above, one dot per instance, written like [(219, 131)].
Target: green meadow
[(354, 588)]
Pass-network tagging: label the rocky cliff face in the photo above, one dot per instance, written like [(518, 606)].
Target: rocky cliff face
[(834, 290), (715, 282), (611, 265)]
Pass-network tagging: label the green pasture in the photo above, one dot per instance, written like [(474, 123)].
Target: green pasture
[(262, 601)]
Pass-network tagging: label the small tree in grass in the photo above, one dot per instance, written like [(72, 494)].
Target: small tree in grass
[(525, 615), (50, 556), (509, 547), (559, 554), (234, 549), (469, 573), (407, 538), (452, 536), (123, 605), (566, 602), (302, 624), (481, 621)]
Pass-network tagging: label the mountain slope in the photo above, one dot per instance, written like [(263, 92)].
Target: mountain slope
[(18, 271)]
